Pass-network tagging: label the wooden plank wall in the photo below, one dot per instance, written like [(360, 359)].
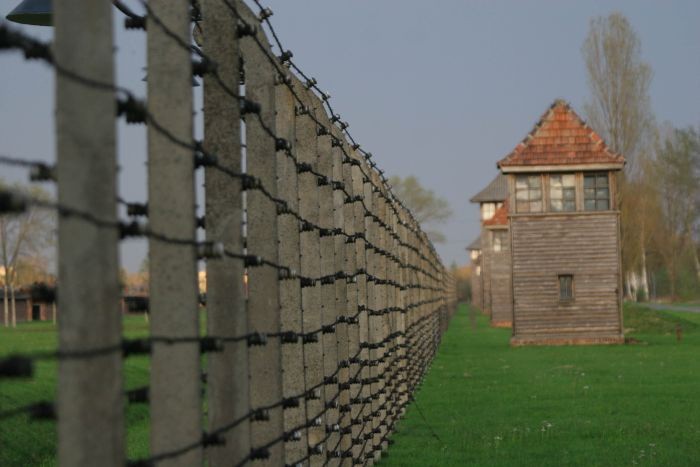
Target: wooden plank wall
[(501, 287), (477, 287), (486, 252), (585, 245)]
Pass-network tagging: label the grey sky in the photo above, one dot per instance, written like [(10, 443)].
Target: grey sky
[(440, 90)]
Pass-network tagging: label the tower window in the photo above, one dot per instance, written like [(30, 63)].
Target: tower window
[(566, 287), (562, 192), (528, 193), (596, 192)]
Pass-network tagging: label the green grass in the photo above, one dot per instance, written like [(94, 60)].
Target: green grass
[(641, 320), (24, 442), (492, 405), (489, 404)]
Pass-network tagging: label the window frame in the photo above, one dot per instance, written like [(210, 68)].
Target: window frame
[(529, 190), (484, 210), (571, 189), (563, 297), (502, 240), (596, 199)]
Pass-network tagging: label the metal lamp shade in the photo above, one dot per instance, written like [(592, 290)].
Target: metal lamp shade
[(35, 12)]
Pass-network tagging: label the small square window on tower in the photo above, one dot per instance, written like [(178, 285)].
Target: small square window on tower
[(566, 287)]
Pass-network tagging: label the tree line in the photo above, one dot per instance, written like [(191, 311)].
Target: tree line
[(660, 186)]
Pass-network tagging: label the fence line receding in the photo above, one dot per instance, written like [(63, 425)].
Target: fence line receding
[(325, 300)]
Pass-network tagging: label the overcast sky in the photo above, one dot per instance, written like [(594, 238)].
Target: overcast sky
[(440, 90)]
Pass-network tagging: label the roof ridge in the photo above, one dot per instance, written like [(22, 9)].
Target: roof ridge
[(548, 119)]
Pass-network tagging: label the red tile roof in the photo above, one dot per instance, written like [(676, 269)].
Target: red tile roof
[(500, 217), (561, 138)]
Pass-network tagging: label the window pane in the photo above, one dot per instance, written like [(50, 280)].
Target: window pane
[(601, 205), (521, 195), (589, 181), (590, 205), (555, 193), (602, 193), (557, 205), (569, 206), (569, 180), (555, 181), (535, 194), (570, 193), (566, 287), (589, 193), (521, 182), (522, 206), (533, 181), (535, 206), (602, 180)]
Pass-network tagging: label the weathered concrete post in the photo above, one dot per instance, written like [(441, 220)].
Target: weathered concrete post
[(402, 315), (293, 380), (263, 286), (382, 319), (328, 306), (352, 209), (392, 304), (340, 209), (311, 270), (175, 392), (227, 380), (90, 407)]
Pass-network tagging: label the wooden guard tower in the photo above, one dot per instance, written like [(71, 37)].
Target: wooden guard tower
[(490, 201), (565, 234)]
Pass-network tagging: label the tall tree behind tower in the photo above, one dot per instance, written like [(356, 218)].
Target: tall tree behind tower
[(620, 110)]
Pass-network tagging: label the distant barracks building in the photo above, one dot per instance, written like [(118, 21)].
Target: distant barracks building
[(564, 232)]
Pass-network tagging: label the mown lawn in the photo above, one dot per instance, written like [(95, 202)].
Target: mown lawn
[(491, 405), (487, 403), (24, 442)]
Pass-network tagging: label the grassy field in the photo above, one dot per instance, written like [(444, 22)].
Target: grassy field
[(24, 442), (486, 404)]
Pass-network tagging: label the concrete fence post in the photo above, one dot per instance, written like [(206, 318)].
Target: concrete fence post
[(392, 303), (364, 300), (89, 400), (402, 316), (175, 392), (311, 271), (328, 306), (380, 321), (288, 235), (352, 266), (265, 361), (341, 293), (227, 372)]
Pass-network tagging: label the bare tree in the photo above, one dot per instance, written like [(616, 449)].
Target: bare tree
[(619, 82), (24, 239), (620, 110), (427, 207)]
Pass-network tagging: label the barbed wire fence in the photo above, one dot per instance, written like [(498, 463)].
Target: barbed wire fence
[(325, 300)]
